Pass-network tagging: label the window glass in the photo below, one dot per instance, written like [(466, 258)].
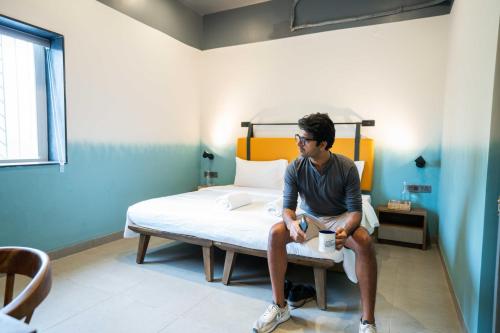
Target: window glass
[(23, 104)]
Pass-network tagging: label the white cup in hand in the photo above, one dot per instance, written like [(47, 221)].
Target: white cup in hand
[(326, 241)]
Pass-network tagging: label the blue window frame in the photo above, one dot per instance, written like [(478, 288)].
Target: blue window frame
[(32, 95)]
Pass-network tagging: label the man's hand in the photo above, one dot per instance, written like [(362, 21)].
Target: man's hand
[(340, 238), (296, 233)]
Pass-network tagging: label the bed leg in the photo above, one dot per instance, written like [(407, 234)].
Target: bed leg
[(143, 246), (320, 282), (228, 266), (208, 262)]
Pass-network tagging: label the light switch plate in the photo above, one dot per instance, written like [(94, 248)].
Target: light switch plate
[(416, 188)]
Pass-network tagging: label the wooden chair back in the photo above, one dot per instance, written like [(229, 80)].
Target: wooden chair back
[(29, 262)]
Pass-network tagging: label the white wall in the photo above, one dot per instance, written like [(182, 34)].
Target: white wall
[(392, 73), (125, 82)]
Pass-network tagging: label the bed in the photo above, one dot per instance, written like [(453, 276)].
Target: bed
[(243, 230)]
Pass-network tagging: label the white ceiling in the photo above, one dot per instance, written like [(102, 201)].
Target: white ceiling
[(204, 7)]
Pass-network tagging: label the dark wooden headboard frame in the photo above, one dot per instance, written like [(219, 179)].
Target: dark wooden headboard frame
[(357, 135)]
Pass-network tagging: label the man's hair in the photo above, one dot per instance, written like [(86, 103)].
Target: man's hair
[(320, 126)]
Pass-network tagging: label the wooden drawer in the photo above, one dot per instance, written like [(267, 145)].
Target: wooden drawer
[(401, 233)]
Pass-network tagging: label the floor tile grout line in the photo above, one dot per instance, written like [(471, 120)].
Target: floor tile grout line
[(80, 312), (85, 309), (109, 294), (187, 310)]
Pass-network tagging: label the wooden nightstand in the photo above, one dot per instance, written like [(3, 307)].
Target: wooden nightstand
[(402, 227)]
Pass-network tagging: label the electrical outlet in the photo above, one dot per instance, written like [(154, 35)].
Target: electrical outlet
[(415, 188), (211, 174)]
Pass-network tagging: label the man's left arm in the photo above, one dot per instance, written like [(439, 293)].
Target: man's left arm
[(354, 207), (342, 233)]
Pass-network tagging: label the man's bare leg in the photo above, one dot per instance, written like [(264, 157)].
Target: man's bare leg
[(277, 261), (366, 270)]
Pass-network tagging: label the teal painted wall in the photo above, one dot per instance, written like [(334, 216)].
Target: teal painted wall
[(461, 224), (391, 169), (43, 208), (489, 245), (489, 260)]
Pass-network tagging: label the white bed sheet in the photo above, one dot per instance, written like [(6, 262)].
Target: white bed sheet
[(196, 214)]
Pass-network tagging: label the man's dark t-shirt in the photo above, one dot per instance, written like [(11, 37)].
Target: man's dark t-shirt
[(330, 193)]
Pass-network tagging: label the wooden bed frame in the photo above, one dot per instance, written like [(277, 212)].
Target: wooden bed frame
[(319, 265), (263, 149), (206, 245)]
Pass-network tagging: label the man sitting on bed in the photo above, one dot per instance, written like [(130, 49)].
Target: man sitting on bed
[(329, 187)]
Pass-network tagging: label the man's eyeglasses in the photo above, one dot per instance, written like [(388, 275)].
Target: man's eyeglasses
[(302, 140)]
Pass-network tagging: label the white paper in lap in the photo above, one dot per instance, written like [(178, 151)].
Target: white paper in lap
[(195, 214)]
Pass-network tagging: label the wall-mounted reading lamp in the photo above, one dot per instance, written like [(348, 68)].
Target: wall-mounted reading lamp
[(420, 162), (209, 175), (208, 155)]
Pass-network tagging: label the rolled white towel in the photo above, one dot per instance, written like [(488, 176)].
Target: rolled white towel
[(275, 207), (234, 200)]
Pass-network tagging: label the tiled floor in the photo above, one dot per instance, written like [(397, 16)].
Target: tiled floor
[(104, 290)]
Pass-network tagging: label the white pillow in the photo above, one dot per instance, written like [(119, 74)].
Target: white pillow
[(265, 174), (360, 165)]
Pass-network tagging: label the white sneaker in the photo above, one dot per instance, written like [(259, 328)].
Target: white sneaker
[(273, 316), (367, 328)]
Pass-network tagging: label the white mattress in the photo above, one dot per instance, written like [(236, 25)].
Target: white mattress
[(196, 214)]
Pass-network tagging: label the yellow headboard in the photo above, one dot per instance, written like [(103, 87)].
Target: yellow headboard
[(266, 149)]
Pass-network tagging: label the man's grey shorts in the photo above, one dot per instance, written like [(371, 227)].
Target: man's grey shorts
[(323, 223)]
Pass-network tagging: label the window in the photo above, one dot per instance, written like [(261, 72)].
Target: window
[(32, 101)]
